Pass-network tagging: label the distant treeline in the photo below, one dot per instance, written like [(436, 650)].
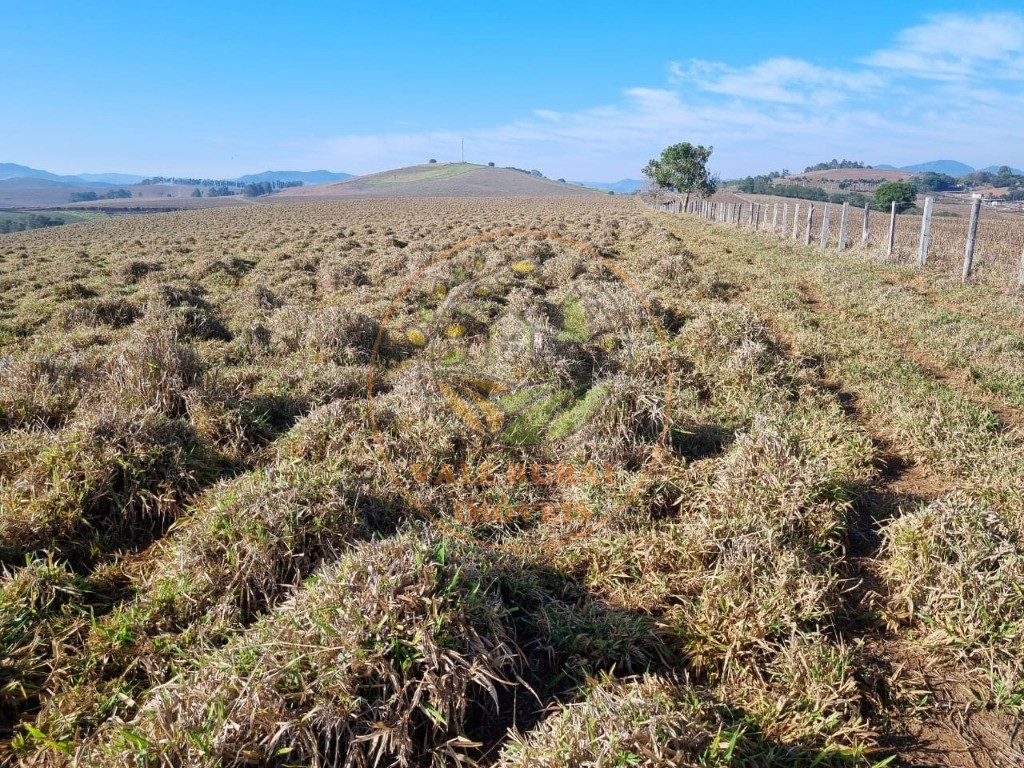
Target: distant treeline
[(34, 221), (266, 187), (249, 190), (193, 182), (534, 172), (762, 185), (216, 183), (114, 194), (835, 165), (922, 184)]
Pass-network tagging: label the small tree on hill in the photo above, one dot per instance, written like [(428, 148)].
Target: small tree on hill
[(900, 192), (682, 168)]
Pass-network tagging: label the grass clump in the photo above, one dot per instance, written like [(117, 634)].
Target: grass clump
[(955, 568), (657, 722), (111, 481), (378, 659), (39, 389)]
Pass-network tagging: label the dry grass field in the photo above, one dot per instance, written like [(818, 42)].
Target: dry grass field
[(205, 559)]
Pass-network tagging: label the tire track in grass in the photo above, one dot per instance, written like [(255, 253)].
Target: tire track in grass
[(954, 732), (1007, 415), (954, 727), (914, 283)]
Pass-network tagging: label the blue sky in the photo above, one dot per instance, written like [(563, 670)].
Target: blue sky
[(585, 91)]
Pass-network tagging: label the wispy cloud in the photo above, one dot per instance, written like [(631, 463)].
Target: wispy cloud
[(780, 80), (928, 94), (958, 47)]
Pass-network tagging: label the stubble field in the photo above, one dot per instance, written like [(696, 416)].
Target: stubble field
[(816, 556)]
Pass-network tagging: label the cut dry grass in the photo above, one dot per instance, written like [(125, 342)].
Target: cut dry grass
[(380, 657), (933, 421), (208, 560), (652, 721), (957, 566)]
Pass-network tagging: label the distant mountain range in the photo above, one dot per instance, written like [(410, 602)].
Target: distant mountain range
[(622, 187), (951, 167), (306, 177), (15, 171)]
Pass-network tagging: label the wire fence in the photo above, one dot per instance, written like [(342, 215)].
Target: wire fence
[(994, 255)]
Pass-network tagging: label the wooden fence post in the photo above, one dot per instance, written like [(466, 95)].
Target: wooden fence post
[(807, 231), (796, 219), (775, 218), (926, 228), (1020, 275), (843, 222), (824, 226), (785, 219), (972, 234), (750, 222), (864, 230), (892, 229)]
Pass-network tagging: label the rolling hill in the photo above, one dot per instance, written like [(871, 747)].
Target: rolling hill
[(995, 169), (852, 179), (952, 167), (16, 171), (440, 180), (34, 192)]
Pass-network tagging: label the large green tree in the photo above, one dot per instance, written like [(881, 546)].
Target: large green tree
[(900, 192), (682, 168)]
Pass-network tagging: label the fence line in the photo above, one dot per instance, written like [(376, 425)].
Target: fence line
[(932, 239)]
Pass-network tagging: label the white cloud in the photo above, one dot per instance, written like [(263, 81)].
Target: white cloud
[(958, 47)]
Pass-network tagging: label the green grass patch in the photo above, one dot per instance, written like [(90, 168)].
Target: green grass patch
[(571, 419), (439, 171), (574, 321), (529, 427)]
